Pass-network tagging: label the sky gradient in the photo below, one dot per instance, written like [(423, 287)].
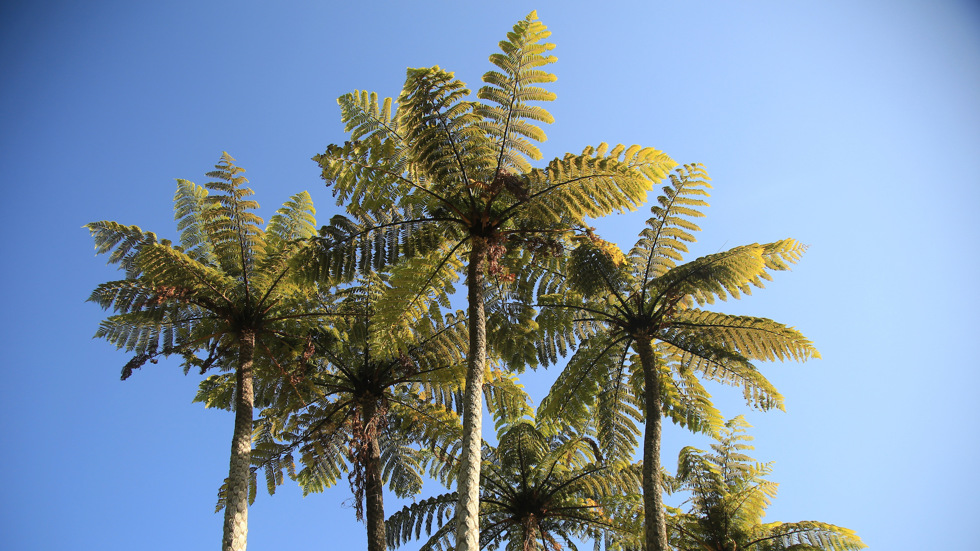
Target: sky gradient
[(851, 126)]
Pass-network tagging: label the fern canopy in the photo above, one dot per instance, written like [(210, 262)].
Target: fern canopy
[(446, 178), (227, 292), (539, 488), (647, 345)]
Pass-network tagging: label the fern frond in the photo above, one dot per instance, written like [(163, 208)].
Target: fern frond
[(192, 211), (807, 534), (593, 184), (296, 219), (364, 117), (407, 524), (716, 276), (663, 242), (754, 338), (234, 231), (718, 364), (508, 91), (123, 243), (441, 130)]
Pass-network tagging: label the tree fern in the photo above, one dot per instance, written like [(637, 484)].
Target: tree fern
[(447, 178), (644, 302), (227, 291), (538, 488), (729, 496)]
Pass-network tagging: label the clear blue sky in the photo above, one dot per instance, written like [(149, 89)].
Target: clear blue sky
[(851, 126)]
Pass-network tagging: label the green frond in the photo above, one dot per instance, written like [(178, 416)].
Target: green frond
[(348, 247), (713, 362), (505, 397), (716, 276), (407, 524), (780, 254), (217, 391), (684, 399), (418, 282), (729, 496), (365, 118), (594, 390), (192, 211), (511, 326), (754, 338), (593, 184), (234, 231), (402, 468), (507, 114), (663, 242), (123, 243), (805, 535), (177, 276), (296, 219), (597, 267), (365, 174), (441, 130)]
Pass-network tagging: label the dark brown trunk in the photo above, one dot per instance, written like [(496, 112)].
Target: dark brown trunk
[(655, 527), (373, 487), (236, 492), (468, 479)]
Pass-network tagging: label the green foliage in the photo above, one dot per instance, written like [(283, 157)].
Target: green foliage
[(646, 295), (226, 275), (372, 378), (539, 487), (426, 176), (729, 496)]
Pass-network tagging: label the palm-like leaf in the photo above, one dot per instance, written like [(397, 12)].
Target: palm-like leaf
[(380, 381)]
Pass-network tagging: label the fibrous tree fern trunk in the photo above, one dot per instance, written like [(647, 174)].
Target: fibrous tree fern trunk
[(236, 496), (468, 479), (655, 528), (373, 488)]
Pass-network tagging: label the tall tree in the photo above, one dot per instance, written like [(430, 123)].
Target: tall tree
[(729, 497), (648, 344), (449, 180), (370, 394), (539, 489), (225, 290)]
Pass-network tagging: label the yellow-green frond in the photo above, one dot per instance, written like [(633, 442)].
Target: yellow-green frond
[(754, 338), (507, 114), (663, 242)]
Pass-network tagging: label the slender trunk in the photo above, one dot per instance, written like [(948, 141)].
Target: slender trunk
[(373, 487), (236, 492), (655, 527), (468, 479)]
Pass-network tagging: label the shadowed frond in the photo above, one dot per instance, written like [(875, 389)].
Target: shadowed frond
[(123, 243), (442, 131)]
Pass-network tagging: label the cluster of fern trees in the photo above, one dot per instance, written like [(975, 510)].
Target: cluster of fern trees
[(345, 341)]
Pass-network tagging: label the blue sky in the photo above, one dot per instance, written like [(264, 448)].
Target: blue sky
[(851, 126)]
